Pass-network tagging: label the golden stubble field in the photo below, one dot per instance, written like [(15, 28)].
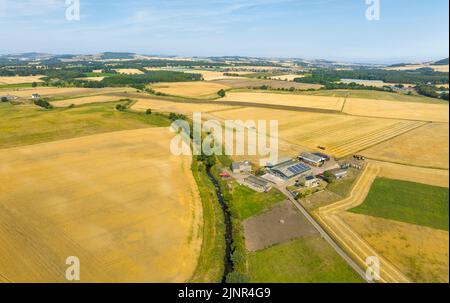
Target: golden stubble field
[(195, 89), (85, 100), (177, 107), (69, 92), (436, 68), (419, 252), (119, 201), (397, 110), (129, 71), (331, 103), (342, 135), (20, 79), (407, 251), (426, 146)]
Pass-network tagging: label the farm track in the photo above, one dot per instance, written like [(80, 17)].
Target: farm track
[(349, 239)]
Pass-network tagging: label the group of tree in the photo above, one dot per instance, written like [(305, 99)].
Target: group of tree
[(431, 91), (43, 103), (419, 76)]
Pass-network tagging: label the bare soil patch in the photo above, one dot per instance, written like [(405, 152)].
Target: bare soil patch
[(281, 224)]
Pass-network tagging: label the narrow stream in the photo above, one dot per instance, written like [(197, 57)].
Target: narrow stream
[(228, 227)]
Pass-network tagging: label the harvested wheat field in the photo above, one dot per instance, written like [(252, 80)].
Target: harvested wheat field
[(289, 77), (84, 100), (215, 75), (422, 253), (426, 146), (177, 107), (350, 240), (129, 71), (342, 135), (120, 202), (430, 176), (397, 110), (436, 68), (20, 79), (251, 82), (196, 89), (286, 99), (69, 92)]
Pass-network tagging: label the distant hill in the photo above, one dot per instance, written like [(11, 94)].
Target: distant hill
[(117, 55), (441, 62)]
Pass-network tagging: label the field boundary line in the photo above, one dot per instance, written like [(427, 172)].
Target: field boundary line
[(347, 237)]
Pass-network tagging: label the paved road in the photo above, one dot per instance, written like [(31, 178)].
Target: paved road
[(324, 234)]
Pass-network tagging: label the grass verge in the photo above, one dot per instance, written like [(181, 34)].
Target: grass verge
[(210, 266)]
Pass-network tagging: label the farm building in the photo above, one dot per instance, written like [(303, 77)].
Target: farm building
[(312, 159), (310, 182), (289, 169), (35, 96), (239, 167), (324, 157), (279, 161), (338, 173), (257, 183)]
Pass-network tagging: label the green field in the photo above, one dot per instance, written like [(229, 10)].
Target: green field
[(27, 124), (408, 202), (305, 260), (250, 203)]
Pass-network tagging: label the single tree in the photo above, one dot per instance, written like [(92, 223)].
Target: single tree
[(221, 93)]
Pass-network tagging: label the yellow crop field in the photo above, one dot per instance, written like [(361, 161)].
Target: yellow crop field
[(419, 252), (342, 135), (430, 176), (397, 110), (20, 79), (50, 92), (288, 77), (196, 89), (84, 100), (426, 146), (120, 202), (286, 99), (177, 107), (436, 68), (215, 75), (129, 71)]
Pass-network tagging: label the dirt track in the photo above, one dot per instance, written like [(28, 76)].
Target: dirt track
[(349, 239)]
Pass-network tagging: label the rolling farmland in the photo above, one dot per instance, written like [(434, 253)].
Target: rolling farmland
[(104, 198), (342, 135), (414, 147), (199, 89), (19, 79)]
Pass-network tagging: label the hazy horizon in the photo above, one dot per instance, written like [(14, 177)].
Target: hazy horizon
[(408, 31)]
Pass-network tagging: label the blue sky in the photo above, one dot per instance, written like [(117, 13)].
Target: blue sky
[(408, 30)]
